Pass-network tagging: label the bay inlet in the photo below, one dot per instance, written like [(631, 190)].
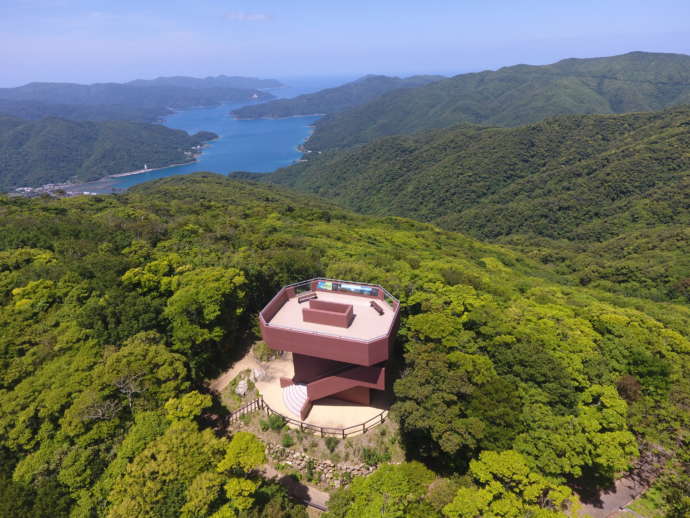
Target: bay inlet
[(258, 146)]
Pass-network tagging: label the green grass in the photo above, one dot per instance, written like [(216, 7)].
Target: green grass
[(649, 504)]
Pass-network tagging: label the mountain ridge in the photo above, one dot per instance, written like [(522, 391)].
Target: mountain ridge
[(515, 95), (331, 100), (144, 101), (578, 179)]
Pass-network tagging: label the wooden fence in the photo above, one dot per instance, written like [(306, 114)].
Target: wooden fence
[(260, 404)]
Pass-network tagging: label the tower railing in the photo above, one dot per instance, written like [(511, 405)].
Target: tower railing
[(304, 286)]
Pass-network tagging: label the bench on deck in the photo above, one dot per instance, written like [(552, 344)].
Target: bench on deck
[(376, 307), (307, 297)]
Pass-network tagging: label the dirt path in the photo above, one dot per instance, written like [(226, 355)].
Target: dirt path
[(614, 500), (299, 491), (247, 362)]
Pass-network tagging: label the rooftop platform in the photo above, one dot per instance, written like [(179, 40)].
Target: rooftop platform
[(334, 320), (366, 325)]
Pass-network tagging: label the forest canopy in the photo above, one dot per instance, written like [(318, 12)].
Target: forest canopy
[(115, 309)]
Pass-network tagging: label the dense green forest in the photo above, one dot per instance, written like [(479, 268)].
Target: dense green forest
[(34, 110), (34, 153), (141, 101), (605, 197), (115, 309), (332, 100), (516, 95)]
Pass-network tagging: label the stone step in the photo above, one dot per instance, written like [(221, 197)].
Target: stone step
[(294, 397)]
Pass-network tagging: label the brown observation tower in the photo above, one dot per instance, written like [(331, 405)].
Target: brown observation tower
[(340, 335)]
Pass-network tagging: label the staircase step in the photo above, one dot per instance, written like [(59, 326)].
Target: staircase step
[(294, 397)]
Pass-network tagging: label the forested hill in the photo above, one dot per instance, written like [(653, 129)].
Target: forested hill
[(113, 309), (332, 100), (140, 102), (516, 95), (34, 153), (609, 179), (221, 81), (34, 110)]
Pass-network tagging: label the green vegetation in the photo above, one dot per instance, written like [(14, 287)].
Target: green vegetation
[(515, 95), (601, 197), (391, 491), (332, 100), (274, 422), (34, 110), (506, 488), (141, 101), (33, 153), (115, 309)]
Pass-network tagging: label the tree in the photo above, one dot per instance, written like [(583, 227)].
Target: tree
[(203, 311), (156, 482), (596, 438), (436, 405), (244, 453), (204, 495), (392, 491), (188, 406), (505, 487)]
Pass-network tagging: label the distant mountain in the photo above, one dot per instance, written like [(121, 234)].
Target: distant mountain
[(105, 100), (221, 81), (53, 150), (515, 95), (562, 189), (34, 110), (332, 100)]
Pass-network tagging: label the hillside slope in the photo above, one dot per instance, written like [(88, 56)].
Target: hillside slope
[(34, 153), (332, 100), (113, 308), (140, 102), (516, 95), (582, 179)]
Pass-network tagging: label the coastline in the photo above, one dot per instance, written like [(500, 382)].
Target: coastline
[(195, 158), (141, 171), (278, 118), (117, 182)]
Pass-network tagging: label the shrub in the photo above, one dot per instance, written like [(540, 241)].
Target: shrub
[(276, 422), (310, 469), (372, 457), (287, 440), (263, 352), (331, 443)]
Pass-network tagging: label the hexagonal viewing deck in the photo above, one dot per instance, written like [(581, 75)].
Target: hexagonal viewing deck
[(340, 334)]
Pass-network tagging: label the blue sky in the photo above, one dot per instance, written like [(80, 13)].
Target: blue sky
[(118, 40)]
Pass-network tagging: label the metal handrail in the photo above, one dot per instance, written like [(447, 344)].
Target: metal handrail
[(345, 282), (260, 404)]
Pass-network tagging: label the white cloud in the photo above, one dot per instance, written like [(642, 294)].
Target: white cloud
[(242, 16)]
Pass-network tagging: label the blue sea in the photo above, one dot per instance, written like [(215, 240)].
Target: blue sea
[(258, 146)]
